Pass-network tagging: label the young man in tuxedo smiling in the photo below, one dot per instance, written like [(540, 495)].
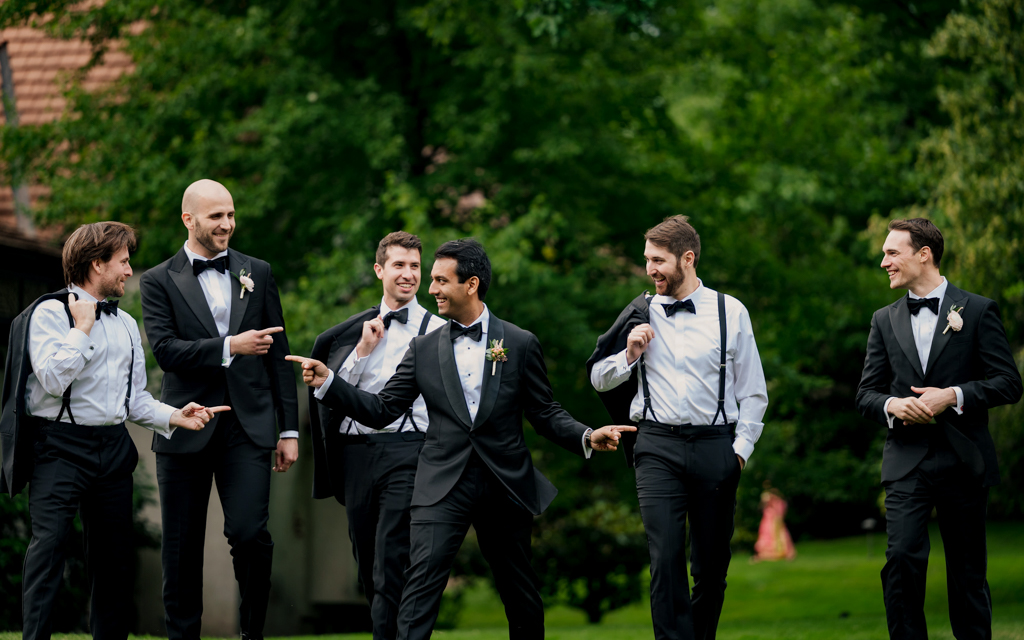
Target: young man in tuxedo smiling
[(937, 361), (213, 317), (370, 471), (474, 467)]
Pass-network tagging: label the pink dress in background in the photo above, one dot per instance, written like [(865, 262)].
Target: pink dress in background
[(773, 540)]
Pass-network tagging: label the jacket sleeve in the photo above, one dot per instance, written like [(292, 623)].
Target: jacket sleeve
[(173, 352), (282, 374), (377, 410), (876, 378), (548, 417), (1002, 383)]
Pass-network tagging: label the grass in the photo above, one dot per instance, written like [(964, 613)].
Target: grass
[(832, 590)]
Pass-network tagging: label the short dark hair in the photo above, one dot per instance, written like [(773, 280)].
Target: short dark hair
[(676, 234), (471, 260), (96, 241), (923, 233), (397, 238)]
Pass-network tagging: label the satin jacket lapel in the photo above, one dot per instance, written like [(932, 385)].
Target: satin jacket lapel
[(490, 384), (188, 284), (953, 296), (238, 302), (450, 375), (899, 316)]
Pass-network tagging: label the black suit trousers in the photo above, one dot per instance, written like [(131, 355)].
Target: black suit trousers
[(242, 471), (86, 469), (691, 476), (378, 491), (944, 483), (503, 529)]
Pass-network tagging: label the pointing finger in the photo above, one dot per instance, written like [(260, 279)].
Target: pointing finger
[(298, 359), (269, 330), (218, 409)]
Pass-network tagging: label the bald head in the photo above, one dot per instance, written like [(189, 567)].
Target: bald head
[(201, 190), (208, 213)]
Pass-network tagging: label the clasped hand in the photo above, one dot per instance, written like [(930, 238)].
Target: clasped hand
[(921, 409)]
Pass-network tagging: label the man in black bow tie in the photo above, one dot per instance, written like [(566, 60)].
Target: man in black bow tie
[(76, 372), (937, 360), (213, 317), (684, 367), (474, 467), (370, 471)]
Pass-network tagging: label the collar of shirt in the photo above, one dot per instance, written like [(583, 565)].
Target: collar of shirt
[(696, 297), (413, 306), (937, 292), (193, 256), (484, 319), (82, 293)]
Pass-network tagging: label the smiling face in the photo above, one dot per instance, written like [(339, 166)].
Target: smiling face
[(455, 300), (668, 271), (109, 277), (400, 275), (211, 223), (904, 265)]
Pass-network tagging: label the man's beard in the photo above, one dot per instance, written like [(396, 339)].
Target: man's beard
[(205, 238), (674, 281), (111, 289)]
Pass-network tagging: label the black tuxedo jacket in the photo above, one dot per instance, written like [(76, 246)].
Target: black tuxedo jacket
[(618, 400), (332, 347), (518, 386), (185, 341), (16, 434), (977, 359)]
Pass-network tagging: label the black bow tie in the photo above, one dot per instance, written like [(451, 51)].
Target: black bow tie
[(474, 333), (916, 304), (687, 305), (108, 307), (401, 315), (220, 264)]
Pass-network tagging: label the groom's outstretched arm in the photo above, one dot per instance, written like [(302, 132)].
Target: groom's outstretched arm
[(375, 410)]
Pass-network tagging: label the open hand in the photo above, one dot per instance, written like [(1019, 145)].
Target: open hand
[(373, 332), (637, 342), (314, 372), (253, 342), (195, 416), (286, 455), (607, 438)]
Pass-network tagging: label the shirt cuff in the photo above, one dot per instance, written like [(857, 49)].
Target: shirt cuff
[(322, 391), (586, 450), (888, 415), (289, 434), (226, 357), (77, 339), (162, 419), (959, 406), (743, 448), (623, 365)]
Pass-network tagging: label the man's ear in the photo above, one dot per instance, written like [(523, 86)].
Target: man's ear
[(688, 258), (472, 285), (379, 270), (186, 218), (926, 255)]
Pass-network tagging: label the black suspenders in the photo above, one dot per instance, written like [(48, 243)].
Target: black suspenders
[(721, 371), (408, 412), (65, 402)]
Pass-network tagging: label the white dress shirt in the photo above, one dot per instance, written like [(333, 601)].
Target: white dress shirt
[(97, 364), (372, 372), (683, 362), (923, 326), (471, 360)]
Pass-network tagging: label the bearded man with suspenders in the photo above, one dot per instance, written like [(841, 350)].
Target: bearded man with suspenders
[(371, 471), (684, 366)]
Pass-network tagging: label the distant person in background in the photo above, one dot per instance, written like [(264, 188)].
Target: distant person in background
[(76, 372), (937, 361), (773, 539)]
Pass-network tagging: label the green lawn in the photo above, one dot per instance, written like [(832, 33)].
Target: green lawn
[(832, 590)]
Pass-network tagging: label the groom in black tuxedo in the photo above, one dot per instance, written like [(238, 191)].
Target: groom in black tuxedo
[(474, 467), (214, 320), (937, 361)]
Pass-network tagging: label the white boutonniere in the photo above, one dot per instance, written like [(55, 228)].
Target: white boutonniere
[(953, 319), (246, 282), (496, 353)]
